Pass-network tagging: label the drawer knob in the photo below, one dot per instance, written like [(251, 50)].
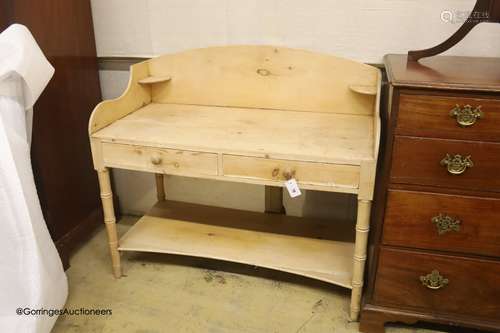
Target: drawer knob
[(467, 116), (156, 159), (457, 164), (434, 280), (445, 223), (289, 174)]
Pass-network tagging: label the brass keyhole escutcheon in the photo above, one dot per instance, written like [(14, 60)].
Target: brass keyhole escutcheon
[(457, 164), (263, 72), (434, 280), (466, 116), (445, 223)]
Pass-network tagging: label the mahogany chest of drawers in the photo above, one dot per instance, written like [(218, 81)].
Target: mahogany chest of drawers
[(434, 255)]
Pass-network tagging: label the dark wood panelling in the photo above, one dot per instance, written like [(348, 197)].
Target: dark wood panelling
[(417, 161), (473, 288), (429, 116), (66, 181), (408, 222)]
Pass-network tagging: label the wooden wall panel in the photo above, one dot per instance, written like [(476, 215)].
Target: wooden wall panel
[(66, 181)]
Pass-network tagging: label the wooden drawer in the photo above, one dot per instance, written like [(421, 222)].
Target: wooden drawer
[(418, 161), (443, 222), (429, 116), (473, 287), (280, 170), (159, 160)]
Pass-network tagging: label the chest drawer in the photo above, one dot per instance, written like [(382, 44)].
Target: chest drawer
[(460, 286), (445, 163), (443, 222), (449, 117), (281, 170), (159, 160)]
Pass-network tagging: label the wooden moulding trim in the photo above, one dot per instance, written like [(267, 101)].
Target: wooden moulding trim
[(376, 117), (374, 317)]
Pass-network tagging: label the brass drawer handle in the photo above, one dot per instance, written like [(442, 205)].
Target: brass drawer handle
[(445, 223), (434, 280), (457, 164), (467, 116), (156, 159)]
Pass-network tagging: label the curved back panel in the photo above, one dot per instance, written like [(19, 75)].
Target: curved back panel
[(265, 77)]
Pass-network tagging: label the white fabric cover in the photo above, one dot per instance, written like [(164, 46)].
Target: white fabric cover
[(31, 273)]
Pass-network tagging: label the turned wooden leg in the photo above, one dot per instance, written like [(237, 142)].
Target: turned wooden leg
[(160, 187), (362, 229), (110, 220)]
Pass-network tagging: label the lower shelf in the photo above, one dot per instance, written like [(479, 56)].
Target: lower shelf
[(308, 247)]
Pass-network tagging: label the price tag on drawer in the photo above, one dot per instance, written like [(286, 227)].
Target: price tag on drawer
[(293, 188)]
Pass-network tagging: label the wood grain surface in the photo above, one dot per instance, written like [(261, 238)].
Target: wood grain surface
[(429, 116), (265, 77), (320, 137), (417, 161), (473, 288), (445, 72), (408, 222)]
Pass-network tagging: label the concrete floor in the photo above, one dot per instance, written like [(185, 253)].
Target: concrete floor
[(164, 293)]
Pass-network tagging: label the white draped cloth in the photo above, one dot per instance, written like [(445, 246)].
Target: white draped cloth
[(31, 273)]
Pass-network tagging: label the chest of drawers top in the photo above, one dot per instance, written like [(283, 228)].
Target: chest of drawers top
[(468, 74)]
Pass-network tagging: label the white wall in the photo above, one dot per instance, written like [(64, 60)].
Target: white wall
[(363, 30)]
